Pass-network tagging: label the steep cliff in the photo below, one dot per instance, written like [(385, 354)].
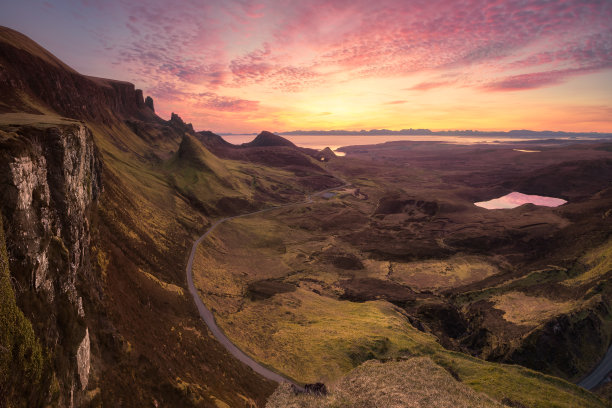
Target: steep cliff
[(49, 178), (98, 212), (32, 80), (21, 357)]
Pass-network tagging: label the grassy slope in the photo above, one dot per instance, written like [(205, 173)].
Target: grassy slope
[(143, 231), (414, 382), (147, 221), (597, 263), (21, 358), (584, 305), (315, 337), (149, 346)]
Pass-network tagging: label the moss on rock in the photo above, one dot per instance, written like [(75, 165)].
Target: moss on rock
[(21, 357)]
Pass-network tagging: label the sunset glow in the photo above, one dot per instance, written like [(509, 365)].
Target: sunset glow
[(243, 66)]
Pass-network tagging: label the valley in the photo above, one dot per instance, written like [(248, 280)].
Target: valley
[(374, 273), (304, 280)]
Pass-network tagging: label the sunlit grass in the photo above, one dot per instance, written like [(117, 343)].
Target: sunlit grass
[(523, 309), (311, 335), (598, 262), (443, 274)]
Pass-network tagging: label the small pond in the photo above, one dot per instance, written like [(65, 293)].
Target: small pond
[(516, 199), (329, 194)]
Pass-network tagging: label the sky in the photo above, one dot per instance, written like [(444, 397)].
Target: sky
[(247, 65)]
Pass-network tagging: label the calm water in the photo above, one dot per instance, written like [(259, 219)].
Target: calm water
[(516, 199), (335, 142)]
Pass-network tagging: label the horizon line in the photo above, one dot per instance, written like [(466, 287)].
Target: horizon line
[(422, 132)]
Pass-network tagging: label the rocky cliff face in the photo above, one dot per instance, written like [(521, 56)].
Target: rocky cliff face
[(61, 88), (49, 179)]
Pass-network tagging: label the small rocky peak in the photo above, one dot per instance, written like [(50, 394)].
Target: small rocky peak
[(149, 103), (210, 139), (326, 154), (176, 121), (266, 138)]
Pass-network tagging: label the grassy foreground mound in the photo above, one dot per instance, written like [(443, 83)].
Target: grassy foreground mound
[(415, 382)]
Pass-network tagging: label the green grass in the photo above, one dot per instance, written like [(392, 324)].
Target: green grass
[(413, 382), (313, 337), (39, 121), (526, 386), (21, 357), (597, 263), (316, 338), (552, 275)]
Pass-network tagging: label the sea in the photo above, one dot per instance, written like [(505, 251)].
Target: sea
[(334, 142)]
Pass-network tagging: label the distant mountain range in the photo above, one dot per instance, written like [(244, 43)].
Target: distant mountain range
[(425, 132)]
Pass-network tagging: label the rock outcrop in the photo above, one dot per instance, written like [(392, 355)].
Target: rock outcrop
[(326, 154), (177, 122), (267, 139), (26, 68), (410, 382), (149, 102), (50, 175), (212, 140), (84, 360), (49, 183)]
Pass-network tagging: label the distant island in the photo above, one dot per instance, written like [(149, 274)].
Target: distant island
[(425, 132)]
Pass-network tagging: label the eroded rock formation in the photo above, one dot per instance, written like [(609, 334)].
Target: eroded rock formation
[(49, 179)]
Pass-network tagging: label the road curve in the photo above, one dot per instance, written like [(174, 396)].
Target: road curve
[(592, 380), (599, 373), (207, 315)]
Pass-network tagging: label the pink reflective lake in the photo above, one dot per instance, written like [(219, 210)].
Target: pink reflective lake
[(516, 199)]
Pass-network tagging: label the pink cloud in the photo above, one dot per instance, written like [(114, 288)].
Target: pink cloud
[(205, 100), (370, 39), (253, 66), (210, 49), (410, 36), (213, 101), (261, 65), (425, 86), (533, 80)]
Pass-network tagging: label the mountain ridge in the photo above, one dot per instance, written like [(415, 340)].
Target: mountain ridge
[(104, 200), (428, 132)]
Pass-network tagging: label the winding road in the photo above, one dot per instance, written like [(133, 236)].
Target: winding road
[(207, 315), (591, 381), (599, 373)]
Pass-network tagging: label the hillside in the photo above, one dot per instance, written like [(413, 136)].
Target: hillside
[(103, 198), (267, 139), (376, 384), (392, 287), (273, 151)]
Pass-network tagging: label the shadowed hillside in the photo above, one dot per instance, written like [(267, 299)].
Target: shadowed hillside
[(103, 199), (267, 139)]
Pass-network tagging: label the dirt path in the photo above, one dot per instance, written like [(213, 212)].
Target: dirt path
[(207, 315)]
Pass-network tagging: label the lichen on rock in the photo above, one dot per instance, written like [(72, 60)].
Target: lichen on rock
[(84, 360), (49, 178)]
